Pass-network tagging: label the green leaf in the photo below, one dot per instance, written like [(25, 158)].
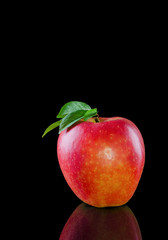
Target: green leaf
[(72, 106), (71, 118), (70, 113), (51, 127), (90, 113)]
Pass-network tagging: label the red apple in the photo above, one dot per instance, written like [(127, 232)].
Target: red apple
[(102, 162), (91, 223)]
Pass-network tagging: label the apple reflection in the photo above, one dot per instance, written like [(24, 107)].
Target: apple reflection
[(90, 223)]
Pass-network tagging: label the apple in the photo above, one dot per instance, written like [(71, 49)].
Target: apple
[(102, 161), (91, 223)]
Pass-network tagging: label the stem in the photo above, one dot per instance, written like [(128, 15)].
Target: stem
[(97, 118)]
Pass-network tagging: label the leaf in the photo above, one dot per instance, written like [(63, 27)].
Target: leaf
[(72, 106), (90, 113), (71, 118), (51, 127), (70, 113)]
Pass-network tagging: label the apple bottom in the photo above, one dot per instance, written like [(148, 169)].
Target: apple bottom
[(100, 188)]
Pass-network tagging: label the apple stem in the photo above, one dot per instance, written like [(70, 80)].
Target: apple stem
[(97, 118)]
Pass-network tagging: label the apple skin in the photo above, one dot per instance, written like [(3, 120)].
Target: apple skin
[(102, 162), (91, 223)]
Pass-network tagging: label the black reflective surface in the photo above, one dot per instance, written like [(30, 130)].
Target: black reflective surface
[(89, 223)]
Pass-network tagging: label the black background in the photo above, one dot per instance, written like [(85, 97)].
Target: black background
[(119, 70)]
